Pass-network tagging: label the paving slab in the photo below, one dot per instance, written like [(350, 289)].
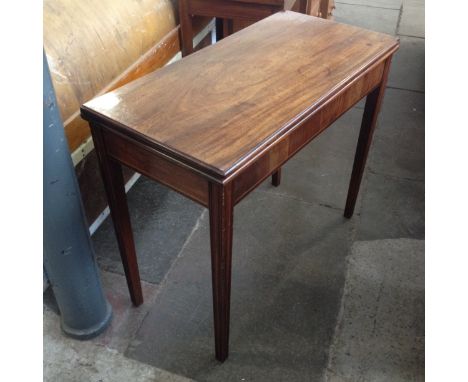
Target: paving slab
[(68, 360), (380, 334), (126, 318), (320, 172), (161, 219), (408, 65), (390, 4), (398, 143), (414, 3), (391, 208), (288, 265), (376, 19), (412, 21)]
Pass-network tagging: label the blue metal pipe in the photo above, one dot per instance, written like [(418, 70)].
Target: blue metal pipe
[(69, 258)]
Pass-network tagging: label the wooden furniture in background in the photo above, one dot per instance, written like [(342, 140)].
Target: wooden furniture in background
[(238, 14), (235, 15), (230, 128), (321, 8)]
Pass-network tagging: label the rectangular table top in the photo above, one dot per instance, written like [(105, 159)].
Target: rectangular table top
[(217, 108)]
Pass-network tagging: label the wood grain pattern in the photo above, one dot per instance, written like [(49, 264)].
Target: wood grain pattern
[(272, 158), (225, 13), (229, 105)]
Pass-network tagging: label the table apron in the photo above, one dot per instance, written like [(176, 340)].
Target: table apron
[(195, 185), (280, 151), (279, 3), (155, 166), (231, 9)]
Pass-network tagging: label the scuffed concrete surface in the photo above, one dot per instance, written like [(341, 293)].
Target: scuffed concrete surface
[(75, 361), (288, 274), (380, 332)]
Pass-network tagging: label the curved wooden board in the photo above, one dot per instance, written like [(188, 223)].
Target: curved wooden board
[(91, 43), (77, 129)]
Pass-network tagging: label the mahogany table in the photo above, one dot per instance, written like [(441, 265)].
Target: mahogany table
[(214, 125)]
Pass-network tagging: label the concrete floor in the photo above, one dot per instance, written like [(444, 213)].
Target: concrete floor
[(315, 296)]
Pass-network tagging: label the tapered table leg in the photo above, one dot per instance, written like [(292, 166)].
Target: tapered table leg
[(221, 220), (276, 178), (186, 29), (219, 29), (324, 8), (117, 199), (369, 120)]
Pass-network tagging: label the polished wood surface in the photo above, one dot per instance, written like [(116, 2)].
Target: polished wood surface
[(244, 92), (284, 148), (221, 209), (115, 189), (247, 105), (224, 8), (369, 122), (135, 155)]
